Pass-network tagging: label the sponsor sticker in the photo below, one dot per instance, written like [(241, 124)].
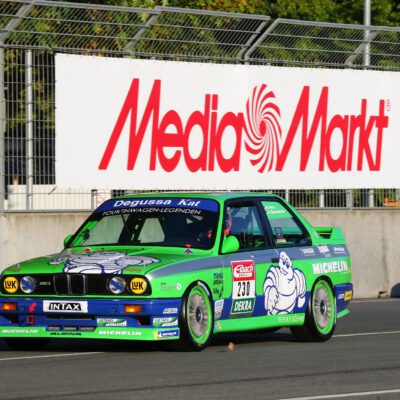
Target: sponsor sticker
[(323, 249), (339, 250), (65, 306), (290, 319), (10, 284), (138, 285), (165, 321), (165, 334), (120, 332), (111, 322), (308, 251), (243, 286), (218, 307), (330, 267), (66, 334), (348, 295), (170, 311), (19, 330)]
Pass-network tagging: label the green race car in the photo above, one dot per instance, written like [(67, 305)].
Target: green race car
[(182, 266)]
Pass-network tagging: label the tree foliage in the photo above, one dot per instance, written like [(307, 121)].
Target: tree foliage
[(383, 12)]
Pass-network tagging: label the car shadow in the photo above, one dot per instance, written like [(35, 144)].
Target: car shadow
[(223, 342)]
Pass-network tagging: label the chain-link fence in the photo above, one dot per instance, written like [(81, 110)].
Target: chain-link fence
[(31, 32)]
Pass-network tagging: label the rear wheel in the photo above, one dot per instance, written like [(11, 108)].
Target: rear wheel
[(26, 343), (320, 321), (197, 318)]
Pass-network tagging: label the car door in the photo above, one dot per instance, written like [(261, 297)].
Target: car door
[(288, 279), (244, 270)]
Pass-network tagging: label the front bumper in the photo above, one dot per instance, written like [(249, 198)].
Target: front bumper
[(90, 318)]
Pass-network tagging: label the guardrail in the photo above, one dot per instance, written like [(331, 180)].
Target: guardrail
[(31, 31)]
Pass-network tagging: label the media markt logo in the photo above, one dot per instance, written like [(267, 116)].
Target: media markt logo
[(257, 130)]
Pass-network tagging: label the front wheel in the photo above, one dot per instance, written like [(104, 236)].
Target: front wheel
[(320, 321), (197, 318)]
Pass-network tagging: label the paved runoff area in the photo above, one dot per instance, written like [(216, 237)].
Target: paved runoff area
[(361, 361)]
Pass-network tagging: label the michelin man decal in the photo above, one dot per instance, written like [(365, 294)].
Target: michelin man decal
[(284, 287), (102, 262)]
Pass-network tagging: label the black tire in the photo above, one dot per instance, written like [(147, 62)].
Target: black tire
[(196, 320), (320, 320), (26, 343)]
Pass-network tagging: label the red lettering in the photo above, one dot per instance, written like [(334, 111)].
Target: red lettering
[(135, 137), (167, 139)]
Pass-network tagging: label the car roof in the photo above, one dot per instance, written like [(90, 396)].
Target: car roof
[(205, 195)]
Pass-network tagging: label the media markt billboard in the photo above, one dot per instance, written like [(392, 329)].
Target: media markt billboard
[(144, 124)]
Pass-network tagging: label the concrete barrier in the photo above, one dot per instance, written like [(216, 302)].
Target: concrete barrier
[(373, 238)]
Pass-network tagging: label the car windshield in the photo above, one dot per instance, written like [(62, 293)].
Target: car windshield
[(171, 222)]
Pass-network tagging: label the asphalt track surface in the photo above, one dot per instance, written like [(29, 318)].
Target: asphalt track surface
[(361, 361)]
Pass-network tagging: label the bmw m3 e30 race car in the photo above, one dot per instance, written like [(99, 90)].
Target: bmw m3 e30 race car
[(181, 267)]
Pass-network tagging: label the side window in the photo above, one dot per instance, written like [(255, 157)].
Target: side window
[(285, 229), (243, 221)]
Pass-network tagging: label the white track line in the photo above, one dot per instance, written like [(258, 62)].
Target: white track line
[(52, 355), (374, 300), (343, 395), (367, 334)]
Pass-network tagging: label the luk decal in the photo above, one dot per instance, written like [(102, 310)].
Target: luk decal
[(256, 128), (330, 267), (111, 322), (243, 286), (65, 306), (10, 284), (138, 285), (284, 287), (101, 262)]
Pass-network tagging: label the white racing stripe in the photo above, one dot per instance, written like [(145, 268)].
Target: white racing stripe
[(367, 334), (344, 395), (52, 355)]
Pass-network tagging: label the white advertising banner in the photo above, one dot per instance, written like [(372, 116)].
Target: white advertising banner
[(144, 124)]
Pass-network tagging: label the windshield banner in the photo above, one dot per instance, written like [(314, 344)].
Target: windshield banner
[(146, 124), (158, 205)]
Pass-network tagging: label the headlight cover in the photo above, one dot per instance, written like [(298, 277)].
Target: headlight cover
[(117, 285), (27, 284)]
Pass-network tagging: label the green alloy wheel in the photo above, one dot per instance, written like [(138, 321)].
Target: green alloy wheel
[(320, 321), (197, 319)]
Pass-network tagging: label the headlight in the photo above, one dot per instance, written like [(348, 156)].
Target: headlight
[(138, 285), (27, 284), (117, 285)]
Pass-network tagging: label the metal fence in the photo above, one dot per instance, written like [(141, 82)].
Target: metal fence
[(32, 31)]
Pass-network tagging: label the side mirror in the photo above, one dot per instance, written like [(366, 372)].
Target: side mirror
[(230, 245), (67, 240)]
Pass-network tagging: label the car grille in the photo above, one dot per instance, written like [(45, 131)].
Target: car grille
[(67, 284), (70, 284)]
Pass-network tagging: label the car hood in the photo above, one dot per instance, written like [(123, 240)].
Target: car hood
[(106, 261)]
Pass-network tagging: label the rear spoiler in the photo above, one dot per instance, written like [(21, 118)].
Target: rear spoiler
[(331, 233)]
